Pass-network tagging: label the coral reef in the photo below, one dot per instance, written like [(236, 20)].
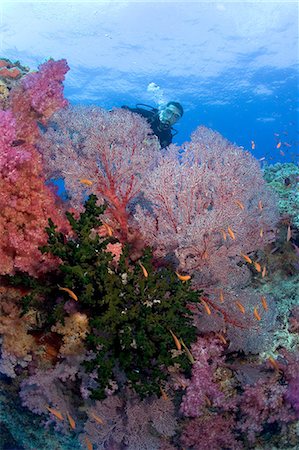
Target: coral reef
[(156, 306), (284, 180)]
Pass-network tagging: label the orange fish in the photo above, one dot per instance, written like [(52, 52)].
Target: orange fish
[(55, 413), (264, 303), (273, 363), (257, 266), (222, 338), (163, 394), (145, 273), (206, 306), (223, 235), (71, 293), (221, 296), (189, 354), (240, 204), (88, 443), (278, 145), (289, 233), (247, 259), (97, 419), (183, 277), (85, 181), (261, 232), (260, 205), (108, 228), (231, 233), (256, 314), (252, 145), (264, 272), (176, 341), (71, 421), (241, 307)]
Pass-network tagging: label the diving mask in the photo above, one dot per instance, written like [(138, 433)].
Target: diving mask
[(169, 115)]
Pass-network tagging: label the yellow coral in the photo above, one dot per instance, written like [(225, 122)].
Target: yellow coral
[(14, 329), (74, 332)]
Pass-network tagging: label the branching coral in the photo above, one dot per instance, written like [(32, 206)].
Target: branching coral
[(112, 150), (131, 422)]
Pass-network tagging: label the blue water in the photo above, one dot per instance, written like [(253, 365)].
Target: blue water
[(233, 66)]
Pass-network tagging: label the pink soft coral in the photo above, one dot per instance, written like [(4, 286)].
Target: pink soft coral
[(26, 203), (37, 97)]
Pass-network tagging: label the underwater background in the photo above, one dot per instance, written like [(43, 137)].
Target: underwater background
[(149, 297)]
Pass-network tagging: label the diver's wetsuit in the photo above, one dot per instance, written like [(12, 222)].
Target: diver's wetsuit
[(164, 135)]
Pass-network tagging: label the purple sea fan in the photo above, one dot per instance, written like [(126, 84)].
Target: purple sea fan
[(132, 423)]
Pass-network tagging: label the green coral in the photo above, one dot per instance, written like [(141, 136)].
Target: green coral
[(131, 312), (288, 193)]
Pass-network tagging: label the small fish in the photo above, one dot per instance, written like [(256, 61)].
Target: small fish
[(97, 419), (145, 273), (289, 233), (71, 293), (71, 421), (88, 443), (264, 272), (223, 235), (262, 159), (241, 307), (261, 232), (273, 363), (205, 255), (222, 338), (87, 182), (276, 134), (163, 394), (247, 259), (189, 354), (176, 341), (252, 145), (240, 204), (221, 296), (282, 153), (231, 233), (108, 228), (183, 277), (264, 303), (287, 144), (260, 205), (208, 401), (278, 145), (257, 266), (256, 314), (206, 306), (55, 413)]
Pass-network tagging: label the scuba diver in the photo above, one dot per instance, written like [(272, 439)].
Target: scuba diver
[(161, 120)]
